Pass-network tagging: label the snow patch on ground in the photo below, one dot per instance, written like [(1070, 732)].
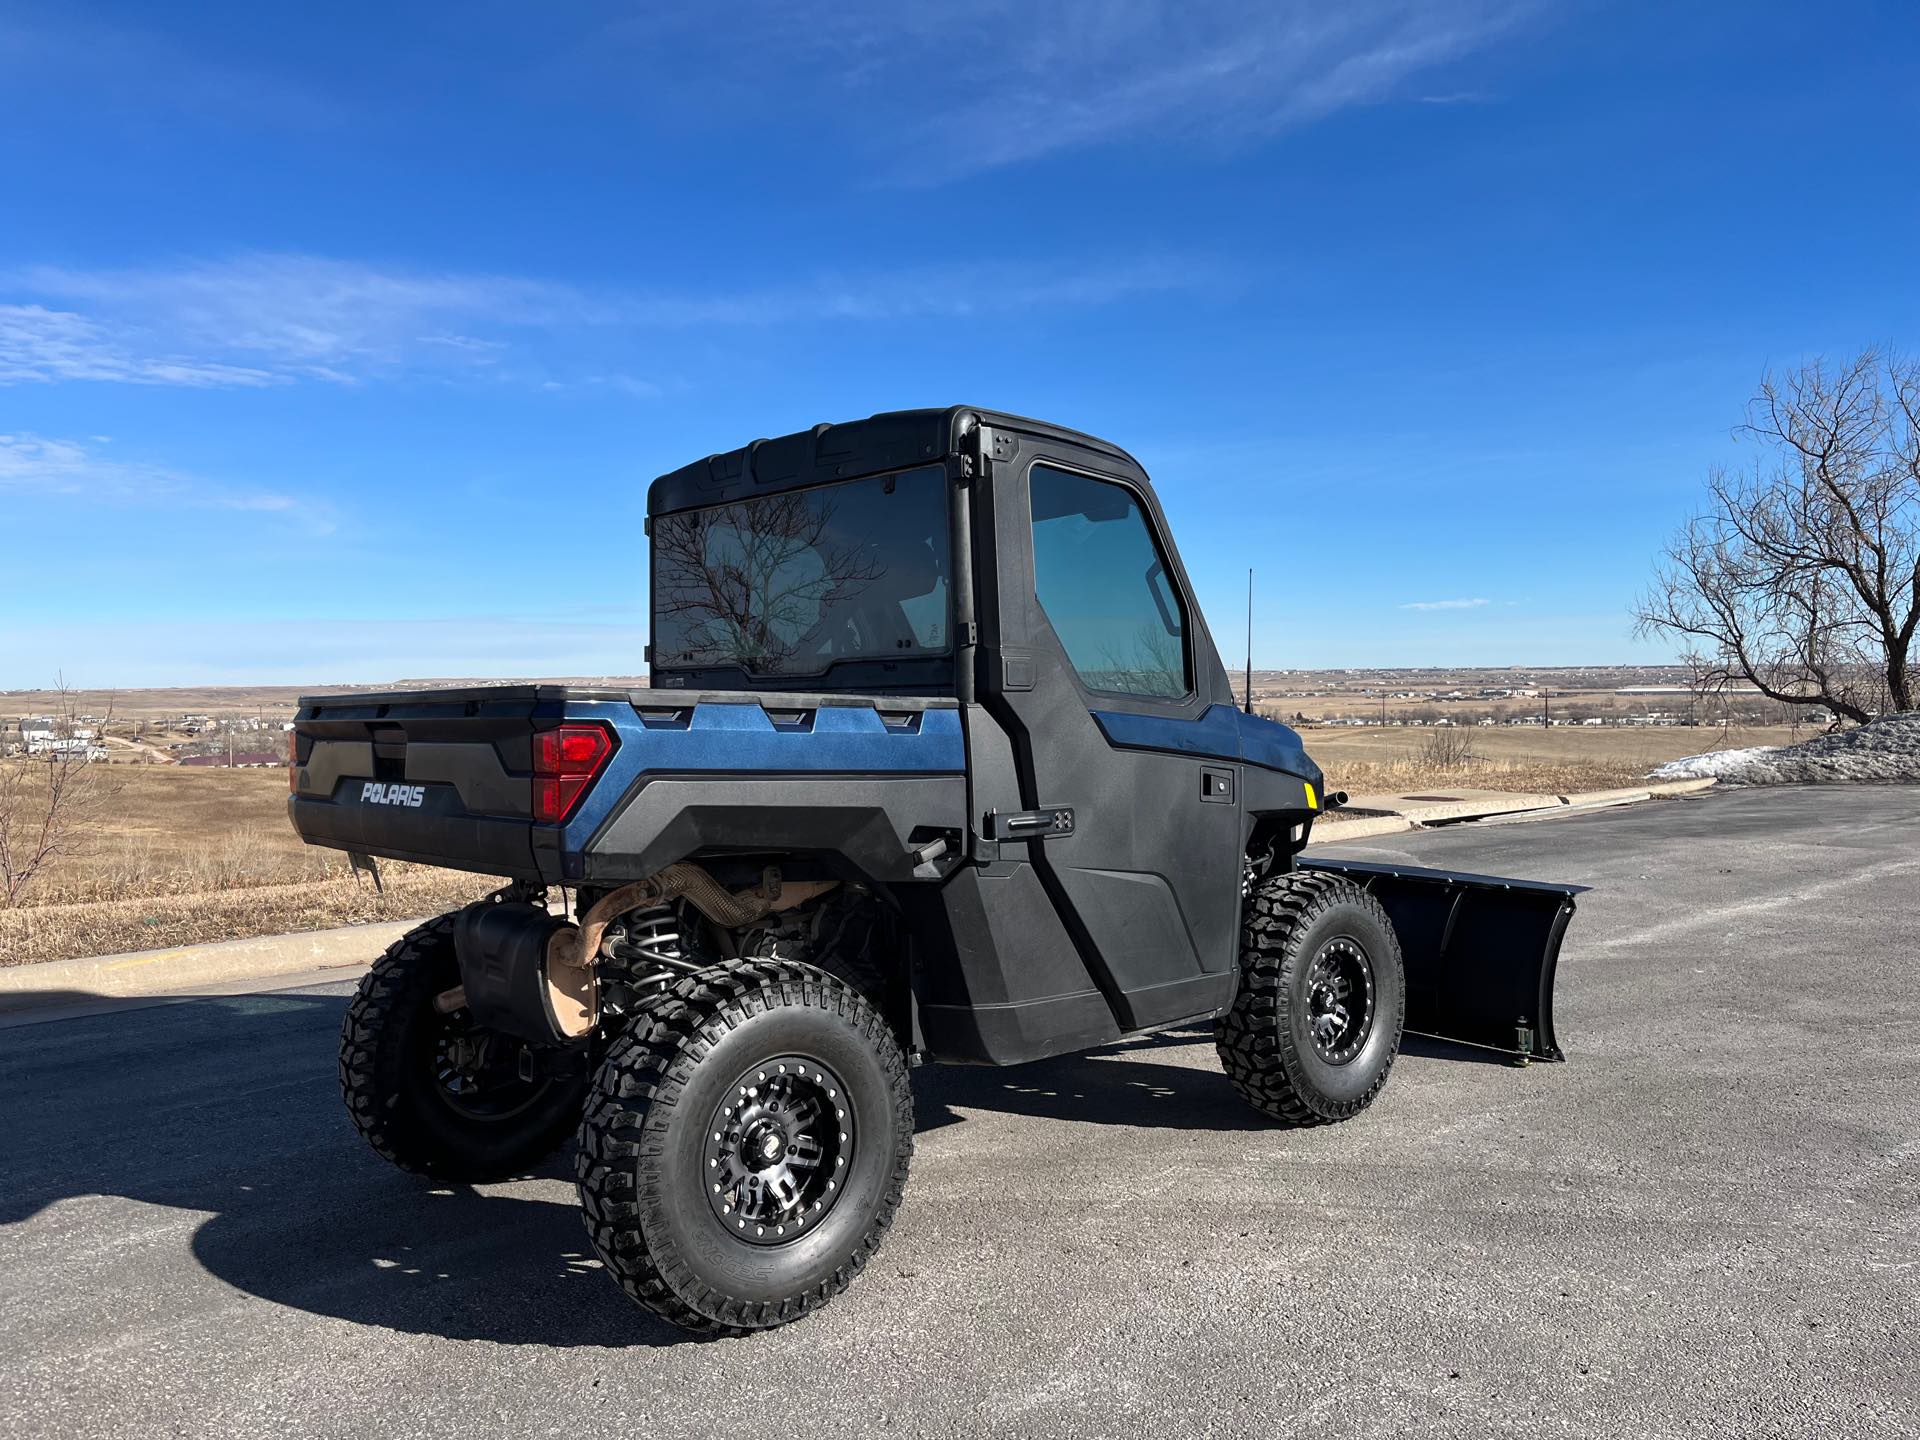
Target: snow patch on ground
[(1714, 765), (1885, 752)]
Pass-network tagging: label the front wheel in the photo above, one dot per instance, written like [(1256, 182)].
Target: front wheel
[(1316, 1024), (745, 1146), (435, 1093)]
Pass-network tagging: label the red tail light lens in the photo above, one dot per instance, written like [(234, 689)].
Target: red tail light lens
[(565, 762), (293, 763)]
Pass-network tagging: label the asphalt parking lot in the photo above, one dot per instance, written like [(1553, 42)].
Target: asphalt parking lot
[(1707, 1222)]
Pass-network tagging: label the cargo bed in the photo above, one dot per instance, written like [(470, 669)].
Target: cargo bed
[(448, 777)]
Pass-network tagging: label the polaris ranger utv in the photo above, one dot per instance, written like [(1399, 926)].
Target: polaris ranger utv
[(938, 763)]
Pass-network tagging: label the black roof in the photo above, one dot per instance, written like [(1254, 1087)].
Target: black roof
[(888, 441)]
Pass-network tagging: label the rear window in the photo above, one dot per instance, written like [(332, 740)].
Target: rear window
[(792, 583)]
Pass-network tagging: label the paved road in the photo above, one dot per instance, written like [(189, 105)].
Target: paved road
[(1707, 1223)]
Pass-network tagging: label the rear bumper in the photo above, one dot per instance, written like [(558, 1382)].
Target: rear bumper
[(486, 845)]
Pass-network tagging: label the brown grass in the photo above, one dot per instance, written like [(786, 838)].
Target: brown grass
[(1398, 759), (184, 856)]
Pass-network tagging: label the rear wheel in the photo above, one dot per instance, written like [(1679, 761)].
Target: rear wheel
[(435, 1093), (745, 1146), (1316, 1024)]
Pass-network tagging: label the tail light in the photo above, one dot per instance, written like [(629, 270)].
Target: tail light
[(293, 762), (566, 761)]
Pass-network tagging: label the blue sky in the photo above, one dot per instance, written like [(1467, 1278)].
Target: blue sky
[(340, 342)]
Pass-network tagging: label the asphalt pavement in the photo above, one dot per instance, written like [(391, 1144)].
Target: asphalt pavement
[(1707, 1222)]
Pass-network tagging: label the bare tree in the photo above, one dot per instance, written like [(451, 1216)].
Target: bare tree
[(1802, 575), (750, 581), (47, 799), (1153, 664)]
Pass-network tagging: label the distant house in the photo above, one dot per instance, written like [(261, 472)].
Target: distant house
[(68, 749)]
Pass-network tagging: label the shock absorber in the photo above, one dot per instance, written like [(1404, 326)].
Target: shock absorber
[(642, 951)]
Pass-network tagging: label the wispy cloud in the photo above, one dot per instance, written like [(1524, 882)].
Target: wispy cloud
[(268, 319), (291, 316), (38, 344), (1473, 604), (33, 465), (977, 84)]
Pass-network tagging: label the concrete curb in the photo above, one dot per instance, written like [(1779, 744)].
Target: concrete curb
[(1519, 807), (1362, 829), (188, 967)]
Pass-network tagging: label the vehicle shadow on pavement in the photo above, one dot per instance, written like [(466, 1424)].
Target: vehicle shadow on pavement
[(1109, 1086), (230, 1107), (456, 1262), (1114, 1085)]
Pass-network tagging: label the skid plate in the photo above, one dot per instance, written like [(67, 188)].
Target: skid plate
[(1479, 951)]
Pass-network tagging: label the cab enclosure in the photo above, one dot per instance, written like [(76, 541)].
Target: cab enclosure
[(931, 703)]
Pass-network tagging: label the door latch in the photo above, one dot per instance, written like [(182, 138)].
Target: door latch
[(1030, 824), (1216, 784)]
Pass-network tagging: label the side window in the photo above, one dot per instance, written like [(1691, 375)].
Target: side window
[(1100, 577)]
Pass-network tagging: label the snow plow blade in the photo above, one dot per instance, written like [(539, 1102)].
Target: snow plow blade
[(1480, 952)]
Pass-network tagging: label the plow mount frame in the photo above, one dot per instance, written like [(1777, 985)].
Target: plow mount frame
[(1480, 952)]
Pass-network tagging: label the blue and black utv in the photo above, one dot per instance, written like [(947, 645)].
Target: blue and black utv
[(938, 762)]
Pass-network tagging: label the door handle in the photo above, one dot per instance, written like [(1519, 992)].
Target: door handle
[(1030, 824)]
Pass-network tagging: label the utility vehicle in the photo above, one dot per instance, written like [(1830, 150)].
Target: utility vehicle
[(937, 762)]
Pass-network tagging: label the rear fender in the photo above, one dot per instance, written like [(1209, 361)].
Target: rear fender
[(1480, 952)]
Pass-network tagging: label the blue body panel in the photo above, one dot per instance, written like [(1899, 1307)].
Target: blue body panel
[(1220, 733), (743, 739)]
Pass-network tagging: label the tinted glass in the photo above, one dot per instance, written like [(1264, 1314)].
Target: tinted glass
[(788, 584), (1099, 576)]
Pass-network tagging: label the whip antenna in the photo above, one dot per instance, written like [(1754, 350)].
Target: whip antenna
[(1249, 640)]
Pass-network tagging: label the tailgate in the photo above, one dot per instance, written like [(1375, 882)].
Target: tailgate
[(443, 777)]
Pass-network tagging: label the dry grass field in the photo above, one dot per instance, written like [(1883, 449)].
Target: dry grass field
[(1393, 758), (177, 856)]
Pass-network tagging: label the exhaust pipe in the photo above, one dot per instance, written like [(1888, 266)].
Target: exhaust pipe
[(531, 973)]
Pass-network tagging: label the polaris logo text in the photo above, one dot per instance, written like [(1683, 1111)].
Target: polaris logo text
[(376, 793)]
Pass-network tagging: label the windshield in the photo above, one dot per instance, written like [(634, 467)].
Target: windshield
[(789, 584)]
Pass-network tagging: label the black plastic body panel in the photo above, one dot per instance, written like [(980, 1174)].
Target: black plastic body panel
[(868, 821), (998, 979)]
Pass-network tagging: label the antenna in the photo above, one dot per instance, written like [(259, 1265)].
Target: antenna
[(1249, 640)]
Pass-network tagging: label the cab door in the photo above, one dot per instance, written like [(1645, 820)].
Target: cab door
[(1097, 665)]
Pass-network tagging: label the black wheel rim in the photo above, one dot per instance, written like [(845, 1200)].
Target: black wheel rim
[(777, 1150), (476, 1072), (1339, 1000)]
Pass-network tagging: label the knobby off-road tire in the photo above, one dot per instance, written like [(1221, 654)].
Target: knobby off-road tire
[(708, 1081), (1316, 1024), (397, 1085)]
